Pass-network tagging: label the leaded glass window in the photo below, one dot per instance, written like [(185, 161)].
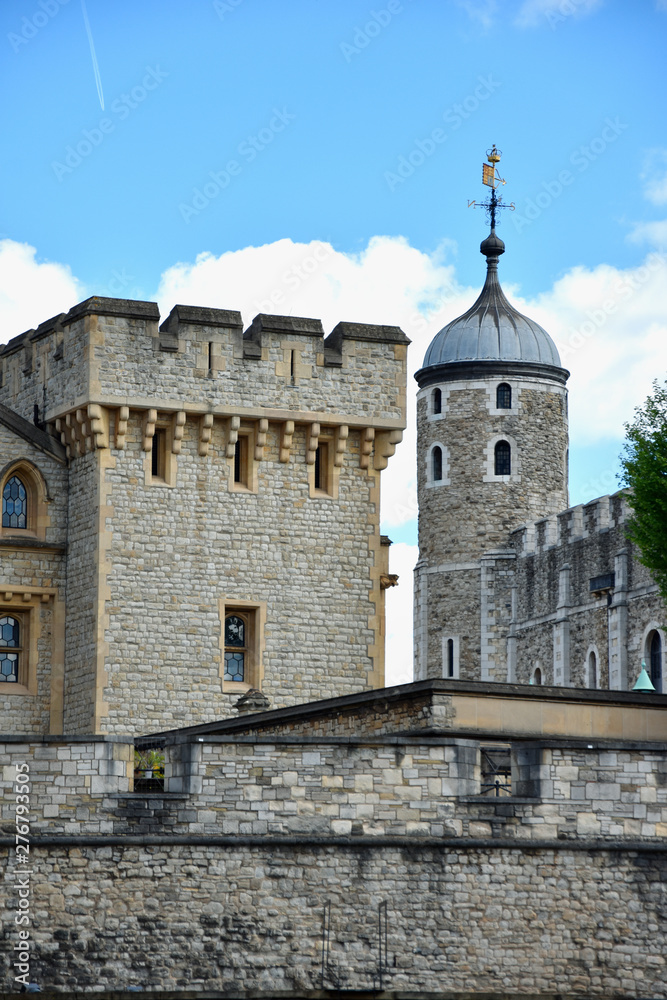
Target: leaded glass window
[(235, 648), (10, 647), (503, 459), (504, 396), (14, 504)]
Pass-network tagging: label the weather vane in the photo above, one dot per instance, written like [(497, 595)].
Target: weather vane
[(492, 179)]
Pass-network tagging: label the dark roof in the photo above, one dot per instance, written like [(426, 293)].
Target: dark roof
[(29, 432)]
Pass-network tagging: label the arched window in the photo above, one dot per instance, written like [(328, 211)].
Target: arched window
[(235, 647), (436, 464), (504, 396), (10, 649), (654, 650), (437, 401), (15, 504), (592, 670), (503, 459), (537, 676)]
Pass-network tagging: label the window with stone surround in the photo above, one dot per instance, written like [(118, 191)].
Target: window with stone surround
[(242, 640), (437, 401), (23, 500), (159, 453), (654, 658), (436, 464), (450, 656), (11, 649), (321, 470)]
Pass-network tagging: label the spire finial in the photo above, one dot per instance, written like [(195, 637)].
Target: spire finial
[(492, 179)]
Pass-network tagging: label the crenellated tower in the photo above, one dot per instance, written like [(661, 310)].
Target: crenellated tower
[(492, 454)]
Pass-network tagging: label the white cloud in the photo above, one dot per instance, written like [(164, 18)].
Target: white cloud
[(481, 11), (654, 176), (535, 12), (32, 291), (653, 233)]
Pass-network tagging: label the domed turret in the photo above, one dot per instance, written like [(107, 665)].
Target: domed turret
[(492, 455)]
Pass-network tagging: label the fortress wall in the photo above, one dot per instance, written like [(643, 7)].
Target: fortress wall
[(367, 789), (465, 917)]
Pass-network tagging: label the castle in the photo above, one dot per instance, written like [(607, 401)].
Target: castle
[(191, 561)]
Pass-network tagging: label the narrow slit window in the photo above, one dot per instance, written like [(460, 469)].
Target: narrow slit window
[(450, 657), (321, 471), (437, 401), (655, 658), (503, 459), (241, 461), (158, 457), (504, 396), (14, 504), (436, 464), (592, 669), (10, 649)]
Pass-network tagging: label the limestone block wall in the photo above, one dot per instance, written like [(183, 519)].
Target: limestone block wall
[(466, 918), (32, 588), (176, 555)]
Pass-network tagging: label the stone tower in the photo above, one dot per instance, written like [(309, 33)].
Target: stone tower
[(492, 454)]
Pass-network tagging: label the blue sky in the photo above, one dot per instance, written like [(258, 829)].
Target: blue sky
[(241, 139)]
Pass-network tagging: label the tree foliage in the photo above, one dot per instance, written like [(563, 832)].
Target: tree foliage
[(644, 463)]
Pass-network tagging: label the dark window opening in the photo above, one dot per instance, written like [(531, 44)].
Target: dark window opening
[(450, 657), (537, 676), (437, 401), (241, 461), (592, 669), (14, 504), (655, 656), (437, 464), (10, 649), (503, 459), (321, 471), (210, 355), (158, 453), (504, 396)]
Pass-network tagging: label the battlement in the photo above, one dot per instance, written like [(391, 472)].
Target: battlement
[(572, 525), (114, 352)]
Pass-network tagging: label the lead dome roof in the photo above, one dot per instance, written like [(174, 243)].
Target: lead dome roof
[(492, 329)]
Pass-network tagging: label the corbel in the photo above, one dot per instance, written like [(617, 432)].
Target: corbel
[(386, 446), (286, 436), (72, 427), (232, 436), (122, 418), (8, 595), (44, 598), (84, 430), (367, 438), (61, 428), (149, 429), (205, 433), (177, 427), (340, 444), (99, 425), (313, 441), (260, 438), (26, 596)]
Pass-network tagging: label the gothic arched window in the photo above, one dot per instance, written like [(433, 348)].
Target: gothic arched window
[(503, 459), (504, 396), (436, 464), (437, 401), (235, 647), (655, 658), (10, 649), (592, 669), (14, 504)]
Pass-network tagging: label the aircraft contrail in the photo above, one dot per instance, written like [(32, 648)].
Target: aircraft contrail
[(96, 68)]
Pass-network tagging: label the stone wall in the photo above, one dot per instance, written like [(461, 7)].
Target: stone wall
[(225, 885)]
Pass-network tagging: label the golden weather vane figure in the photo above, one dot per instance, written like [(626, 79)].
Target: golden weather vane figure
[(492, 179)]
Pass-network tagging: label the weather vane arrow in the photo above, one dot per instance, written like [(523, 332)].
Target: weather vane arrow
[(492, 179)]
